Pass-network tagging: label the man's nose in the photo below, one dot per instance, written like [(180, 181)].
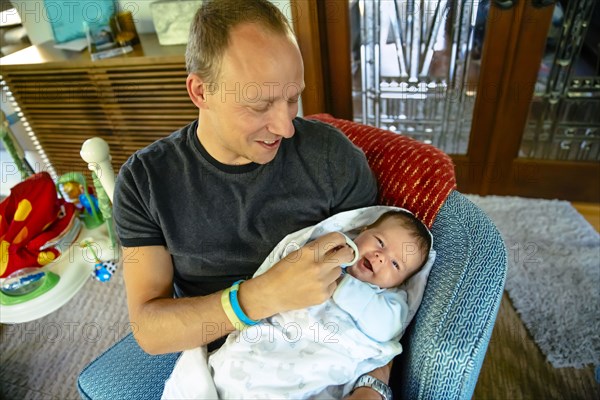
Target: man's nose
[(280, 122)]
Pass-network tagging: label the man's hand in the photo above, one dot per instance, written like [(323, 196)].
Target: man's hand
[(304, 278)]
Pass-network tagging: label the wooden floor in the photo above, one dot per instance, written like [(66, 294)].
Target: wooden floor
[(591, 212), (515, 368)]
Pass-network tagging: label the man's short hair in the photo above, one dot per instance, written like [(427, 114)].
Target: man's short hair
[(211, 27)]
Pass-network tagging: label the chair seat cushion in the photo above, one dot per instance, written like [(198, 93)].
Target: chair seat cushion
[(410, 174)]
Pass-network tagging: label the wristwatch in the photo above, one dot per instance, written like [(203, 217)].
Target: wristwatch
[(375, 384)]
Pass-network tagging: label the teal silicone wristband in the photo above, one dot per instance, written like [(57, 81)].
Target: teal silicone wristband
[(235, 304)]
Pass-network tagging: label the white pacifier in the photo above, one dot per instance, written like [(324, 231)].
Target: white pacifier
[(354, 248)]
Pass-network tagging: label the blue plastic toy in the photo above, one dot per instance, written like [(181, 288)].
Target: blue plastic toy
[(103, 270)]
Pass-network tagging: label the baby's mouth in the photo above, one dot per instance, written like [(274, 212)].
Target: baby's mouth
[(367, 264)]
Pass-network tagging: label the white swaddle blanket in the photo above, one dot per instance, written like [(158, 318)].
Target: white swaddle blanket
[(300, 353)]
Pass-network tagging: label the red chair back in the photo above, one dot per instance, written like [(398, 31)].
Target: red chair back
[(410, 174)]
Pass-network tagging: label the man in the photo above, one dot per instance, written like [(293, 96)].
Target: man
[(203, 207)]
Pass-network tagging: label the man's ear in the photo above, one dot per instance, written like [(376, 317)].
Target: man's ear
[(197, 90)]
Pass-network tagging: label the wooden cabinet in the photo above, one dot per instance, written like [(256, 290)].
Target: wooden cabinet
[(130, 101)]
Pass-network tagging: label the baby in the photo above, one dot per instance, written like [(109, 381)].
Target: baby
[(391, 249), (322, 350)]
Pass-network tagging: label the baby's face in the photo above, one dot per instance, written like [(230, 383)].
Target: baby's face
[(388, 255)]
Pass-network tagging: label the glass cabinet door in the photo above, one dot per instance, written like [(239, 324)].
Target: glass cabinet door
[(564, 118), (509, 88), (415, 67)]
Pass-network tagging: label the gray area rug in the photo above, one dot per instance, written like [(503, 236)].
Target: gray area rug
[(553, 280), (41, 359), (553, 276)]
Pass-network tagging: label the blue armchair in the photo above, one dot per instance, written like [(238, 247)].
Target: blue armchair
[(445, 345)]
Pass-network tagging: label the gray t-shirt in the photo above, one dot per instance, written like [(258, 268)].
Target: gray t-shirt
[(220, 221)]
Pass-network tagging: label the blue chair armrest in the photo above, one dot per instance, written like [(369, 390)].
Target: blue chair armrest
[(125, 371), (446, 343)]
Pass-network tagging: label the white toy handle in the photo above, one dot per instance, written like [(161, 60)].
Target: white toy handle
[(96, 153), (354, 248)]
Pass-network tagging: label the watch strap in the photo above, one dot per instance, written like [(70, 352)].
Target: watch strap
[(377, 385)]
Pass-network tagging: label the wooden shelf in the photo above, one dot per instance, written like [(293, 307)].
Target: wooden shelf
[(130, 101), (149, 50)]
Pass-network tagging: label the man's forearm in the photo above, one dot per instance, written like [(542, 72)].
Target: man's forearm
[(160, 323), (163, 324), (167, 325)]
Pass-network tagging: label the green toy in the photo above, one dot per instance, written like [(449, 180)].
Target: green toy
[(74, 187), (105, 209), (49, 280)]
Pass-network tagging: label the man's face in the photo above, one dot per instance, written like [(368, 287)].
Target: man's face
[(388, 255), (251, 107)]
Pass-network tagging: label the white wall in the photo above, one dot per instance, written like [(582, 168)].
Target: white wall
[(9, 174), (36, 21)]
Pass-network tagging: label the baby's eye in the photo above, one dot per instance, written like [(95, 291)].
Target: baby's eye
[(395, 264), (380, 241)]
